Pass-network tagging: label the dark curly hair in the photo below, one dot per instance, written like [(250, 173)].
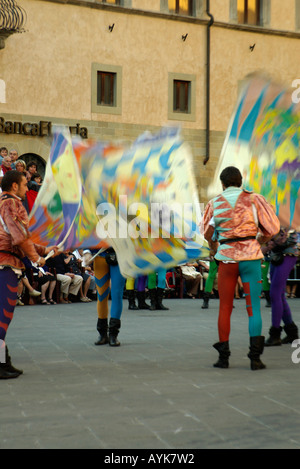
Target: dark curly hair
[(9, 178), (231, 176)]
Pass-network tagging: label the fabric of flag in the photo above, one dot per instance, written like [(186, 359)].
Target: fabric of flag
[(263, 141), (62, 214), (141, 200)]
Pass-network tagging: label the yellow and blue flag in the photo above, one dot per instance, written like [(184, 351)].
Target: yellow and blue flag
[(141, 200), (263, 141)]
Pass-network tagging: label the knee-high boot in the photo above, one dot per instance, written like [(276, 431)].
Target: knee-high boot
[(102, 329), (141, 296), (256, 349), (224, 354), (153, 299), (291, 333), (206, 296), (160, 295), (131, 300), (7, 370), (114, 328), (274, 339)]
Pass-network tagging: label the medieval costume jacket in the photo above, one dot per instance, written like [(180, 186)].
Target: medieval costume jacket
[(15, 240), (237, 222)]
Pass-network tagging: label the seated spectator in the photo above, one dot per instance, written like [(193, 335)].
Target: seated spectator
[(84, 257), (6, 164), (209, 268), (293, 281), (31, 170), (209, 271), (44, 279), (31, 194), (24, 283), (85, 285), (33, 187), (291, 289), (70, 282), (87, 264), (3, 153), (37, 178), (14, 156), (20, 166), (193, 279)]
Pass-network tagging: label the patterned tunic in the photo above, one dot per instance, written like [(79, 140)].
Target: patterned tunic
[(236, 214), (14, 234)]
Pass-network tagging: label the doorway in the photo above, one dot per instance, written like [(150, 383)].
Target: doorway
[(38, 160)]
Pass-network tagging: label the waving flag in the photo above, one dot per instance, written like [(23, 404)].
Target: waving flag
[(263, 141), (140, 200), (62, 214)]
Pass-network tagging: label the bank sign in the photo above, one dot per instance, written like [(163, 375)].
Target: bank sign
[(40, 129)]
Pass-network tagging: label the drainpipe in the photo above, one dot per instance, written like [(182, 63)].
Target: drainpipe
[(209, 25)]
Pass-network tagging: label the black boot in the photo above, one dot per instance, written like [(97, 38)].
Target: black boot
[(274, 339), (268, 299), (206, 296), (153, 299), (141, 295), (114, 327), (256, 349), (7, 371), (292, 333), (131, 300), (160, 295), (102, 329), (224, 354)]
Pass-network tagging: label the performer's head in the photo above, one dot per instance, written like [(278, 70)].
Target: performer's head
[(15, 183), (231, 176)]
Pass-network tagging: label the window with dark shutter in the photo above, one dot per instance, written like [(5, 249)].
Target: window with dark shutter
[(106, 85), (181, 96)]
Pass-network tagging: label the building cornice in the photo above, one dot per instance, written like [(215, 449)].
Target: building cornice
[(172, 17), (257, 29), (130, 11)]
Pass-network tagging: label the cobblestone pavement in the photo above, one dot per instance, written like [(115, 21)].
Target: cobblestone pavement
[(158, 390)]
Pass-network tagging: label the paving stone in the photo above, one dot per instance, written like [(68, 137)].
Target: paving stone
[(158, 390)]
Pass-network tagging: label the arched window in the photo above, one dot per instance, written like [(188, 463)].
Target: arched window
[(40, 163)]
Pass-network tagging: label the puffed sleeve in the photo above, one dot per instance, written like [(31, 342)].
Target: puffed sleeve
[(268, 222), (208, 215), (16, 220)]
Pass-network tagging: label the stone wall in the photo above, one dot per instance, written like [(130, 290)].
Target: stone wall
[(117, 132)]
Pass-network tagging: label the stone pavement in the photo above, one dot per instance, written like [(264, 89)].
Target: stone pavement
[(157, 391)]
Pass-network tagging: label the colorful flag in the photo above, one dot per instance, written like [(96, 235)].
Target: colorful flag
[(61, 200), (141, 200), (263, 141)]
